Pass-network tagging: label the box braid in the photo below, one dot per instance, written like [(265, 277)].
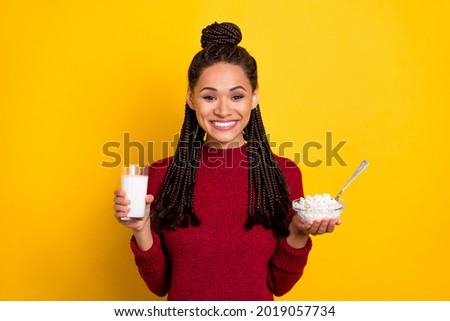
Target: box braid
[(268, 203), (266, 182), (174, 204)]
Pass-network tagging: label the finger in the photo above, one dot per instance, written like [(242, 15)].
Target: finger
[(314, 227), (121, 209), (121, 200), (120, 216), (149, 198), (322, 226), (331, 225), (120, 192)]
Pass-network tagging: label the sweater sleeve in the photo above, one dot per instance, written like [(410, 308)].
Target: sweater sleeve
[(154, 264), (287, 264)]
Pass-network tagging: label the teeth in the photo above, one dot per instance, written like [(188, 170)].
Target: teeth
[(223, 124)]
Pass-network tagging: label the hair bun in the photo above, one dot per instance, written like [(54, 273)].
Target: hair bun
[(225, 33)]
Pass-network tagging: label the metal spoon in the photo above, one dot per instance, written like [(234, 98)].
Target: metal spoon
[(363, 165)]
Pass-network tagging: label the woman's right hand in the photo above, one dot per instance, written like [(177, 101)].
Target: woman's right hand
[(121, 211)]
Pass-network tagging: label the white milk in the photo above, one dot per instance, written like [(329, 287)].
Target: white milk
[(136, 188)]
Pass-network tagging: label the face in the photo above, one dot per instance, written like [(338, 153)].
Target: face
[(223, 99)]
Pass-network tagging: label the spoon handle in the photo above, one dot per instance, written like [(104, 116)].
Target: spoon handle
[(361, 167)]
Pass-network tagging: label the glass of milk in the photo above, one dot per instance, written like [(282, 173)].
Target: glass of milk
[(134, 183)]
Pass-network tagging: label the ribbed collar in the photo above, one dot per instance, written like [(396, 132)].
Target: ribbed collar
[(224, 157)]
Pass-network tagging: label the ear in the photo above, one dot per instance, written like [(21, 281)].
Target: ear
[(255, 98), (189, 100)]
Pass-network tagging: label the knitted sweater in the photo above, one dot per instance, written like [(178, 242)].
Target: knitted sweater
[(220, 259)]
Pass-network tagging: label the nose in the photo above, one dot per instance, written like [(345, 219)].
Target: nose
[(223, 109)]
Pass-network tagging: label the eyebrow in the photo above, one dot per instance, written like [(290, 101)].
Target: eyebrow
[(238, 87), (231, 89)]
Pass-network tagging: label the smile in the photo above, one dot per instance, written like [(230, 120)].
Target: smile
[(224, 124)]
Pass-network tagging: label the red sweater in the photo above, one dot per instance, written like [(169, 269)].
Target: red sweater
[(220, 260)]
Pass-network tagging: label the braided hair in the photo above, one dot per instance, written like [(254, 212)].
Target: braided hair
[(268, 202)]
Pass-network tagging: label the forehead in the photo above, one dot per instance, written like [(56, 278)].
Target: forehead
[(223, 75)]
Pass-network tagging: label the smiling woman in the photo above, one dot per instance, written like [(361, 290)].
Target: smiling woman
[(219, 210), (223, 99)]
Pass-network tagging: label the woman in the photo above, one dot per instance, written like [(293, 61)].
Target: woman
[(218, 223)]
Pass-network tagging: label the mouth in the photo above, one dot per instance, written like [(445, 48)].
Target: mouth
[(224, 125)]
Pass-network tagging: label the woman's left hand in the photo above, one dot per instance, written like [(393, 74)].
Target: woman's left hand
[(299, 231), (313, 228)]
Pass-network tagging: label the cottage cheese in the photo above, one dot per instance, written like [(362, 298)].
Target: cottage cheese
[(317, 207)]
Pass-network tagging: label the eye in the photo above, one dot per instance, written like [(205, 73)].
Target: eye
[(237, 97), (209, 98)]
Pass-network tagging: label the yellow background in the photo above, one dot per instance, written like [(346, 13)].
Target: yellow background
[(75, 75)]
